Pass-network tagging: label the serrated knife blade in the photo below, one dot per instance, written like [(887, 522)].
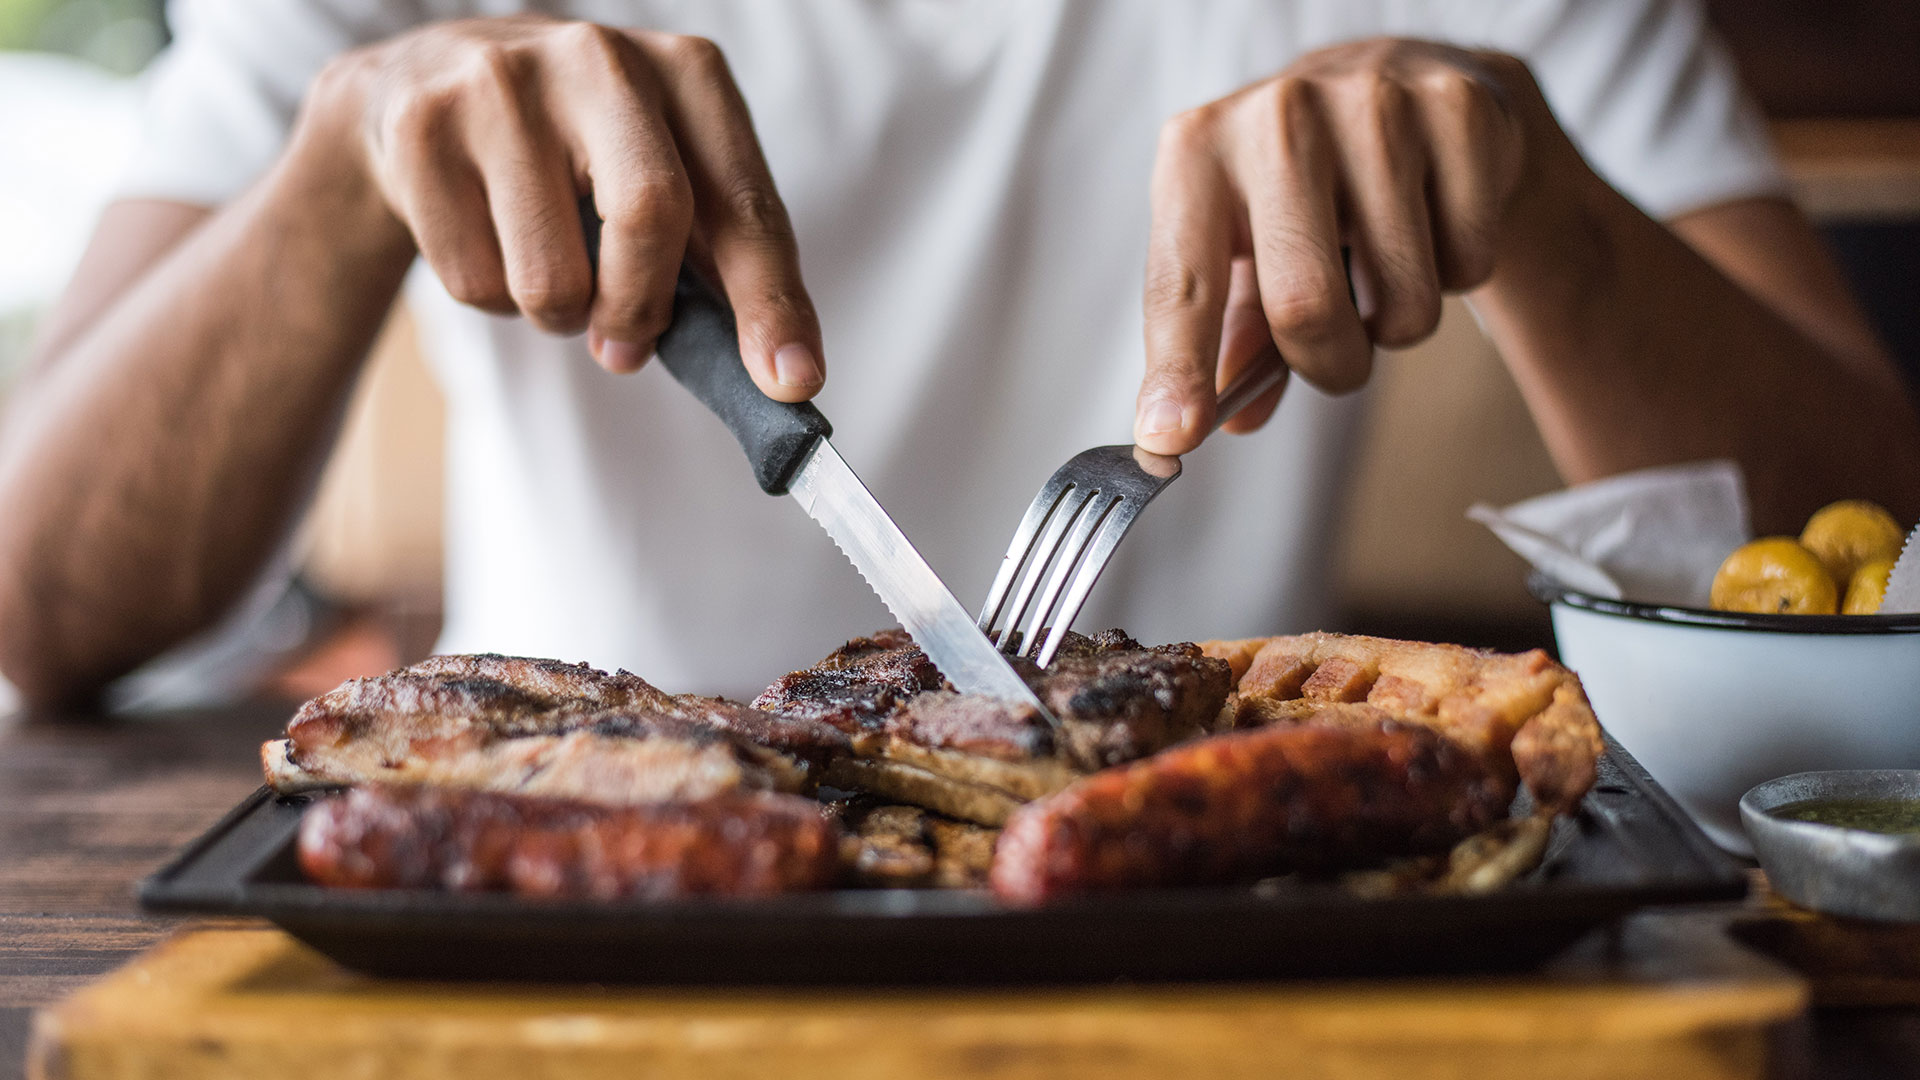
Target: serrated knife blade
[(787, 445), (827, 489), (1903, 584)]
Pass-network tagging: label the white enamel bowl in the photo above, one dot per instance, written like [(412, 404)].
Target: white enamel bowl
[(1714, 702)]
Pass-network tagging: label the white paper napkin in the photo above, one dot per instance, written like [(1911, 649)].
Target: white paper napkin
[(1654, 536)]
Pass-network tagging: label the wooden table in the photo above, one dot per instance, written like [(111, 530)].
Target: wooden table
[(88, 806)]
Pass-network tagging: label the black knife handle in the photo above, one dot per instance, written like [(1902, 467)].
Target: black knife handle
[(702, 351)]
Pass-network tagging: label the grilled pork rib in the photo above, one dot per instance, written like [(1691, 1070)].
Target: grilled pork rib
[(1249, 803), (543, 727), (467, 841), (977, 758), (1525, 715)]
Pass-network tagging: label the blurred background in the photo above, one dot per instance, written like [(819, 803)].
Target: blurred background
[(1839, 80)]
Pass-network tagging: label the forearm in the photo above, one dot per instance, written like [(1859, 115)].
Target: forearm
[(1634, 350), (151, 467)]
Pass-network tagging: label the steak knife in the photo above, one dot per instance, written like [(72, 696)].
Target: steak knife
[(789, 448)]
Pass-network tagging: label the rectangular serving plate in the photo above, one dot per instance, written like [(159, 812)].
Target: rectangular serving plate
[(1629, 846)]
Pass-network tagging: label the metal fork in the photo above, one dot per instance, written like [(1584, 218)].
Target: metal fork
[(1077, 520)]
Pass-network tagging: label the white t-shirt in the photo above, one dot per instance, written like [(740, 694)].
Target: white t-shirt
[(969, 186)]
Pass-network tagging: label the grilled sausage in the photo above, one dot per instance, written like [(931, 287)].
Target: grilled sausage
[(1249, 803), (398, 837)]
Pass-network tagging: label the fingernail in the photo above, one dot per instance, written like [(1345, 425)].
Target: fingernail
[(1159, 417), (621, 356), (794, 365)]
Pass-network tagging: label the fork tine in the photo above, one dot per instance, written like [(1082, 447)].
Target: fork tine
[(1072, 503), (1099, 553), (1044, 503), (1100, 506), (1064, 542)]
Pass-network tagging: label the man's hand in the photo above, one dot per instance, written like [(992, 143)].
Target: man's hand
[(219, 344), (481, 136), (1412, 154), (1726, 332)]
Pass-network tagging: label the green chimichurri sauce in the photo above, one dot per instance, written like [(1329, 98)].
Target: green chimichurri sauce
[(1874, 815)]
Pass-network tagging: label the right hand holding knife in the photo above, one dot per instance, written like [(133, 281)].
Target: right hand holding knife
[(480, 135)]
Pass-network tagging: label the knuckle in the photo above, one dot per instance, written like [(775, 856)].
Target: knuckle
[(601, 48), (1178, 374), (1469, 258), (1385, 99), (657, 203), (419, 118), (340, 75), (1293, 100), (1340, 375), (1384, 113), (755, 211), (476, 288), (1507, 66), (1176, 285), (642, 316), (1189, 132), (492, 67), (553, 295), (1290, 114), (1453, 86), (1304, 312), (582, 36), (789, 309), (651, 318), (1410, 318), (698, 55)]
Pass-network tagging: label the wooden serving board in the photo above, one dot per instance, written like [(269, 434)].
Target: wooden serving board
[(1666, 995)]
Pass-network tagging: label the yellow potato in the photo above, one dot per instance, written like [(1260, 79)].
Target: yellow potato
[(1849, 534), (1868, 588), (1774, 575)]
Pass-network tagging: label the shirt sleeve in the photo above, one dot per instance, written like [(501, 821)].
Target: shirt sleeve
[(220, 100), (1646, 92)]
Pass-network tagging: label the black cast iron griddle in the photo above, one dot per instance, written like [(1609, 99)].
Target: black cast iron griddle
[(1629, 846)]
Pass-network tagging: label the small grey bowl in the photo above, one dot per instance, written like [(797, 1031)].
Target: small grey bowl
[(1838, 870)]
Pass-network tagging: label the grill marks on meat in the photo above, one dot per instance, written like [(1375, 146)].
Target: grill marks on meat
[(543, 727), (1525, 715), (1236, 806), (858, 685), (977, 758), (399, 837), (1118, 700), (575, 765), (511, 695)]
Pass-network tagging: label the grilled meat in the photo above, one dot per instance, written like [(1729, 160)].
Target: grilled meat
[(858, 685), (1244, 804), (616, 770), (1344, 754), (398, 837), (977, 758), (1525, 715), (1119, 700), (543, 727), (907, 847)]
